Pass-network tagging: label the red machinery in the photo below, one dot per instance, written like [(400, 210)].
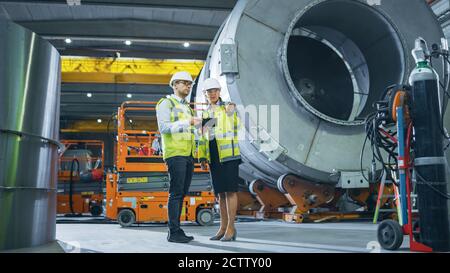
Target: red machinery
[(80, 178)]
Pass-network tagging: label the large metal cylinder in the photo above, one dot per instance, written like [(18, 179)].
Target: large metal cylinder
[(29, 124), (431, 177), (324, 63)]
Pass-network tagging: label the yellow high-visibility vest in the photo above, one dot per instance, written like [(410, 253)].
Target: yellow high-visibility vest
[(226, 135), (180, 143)]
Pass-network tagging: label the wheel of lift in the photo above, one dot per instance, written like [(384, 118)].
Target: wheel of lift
[(205, 217), (250, 187), (126, 218), (280, 183), (390, 234), (96, 210)]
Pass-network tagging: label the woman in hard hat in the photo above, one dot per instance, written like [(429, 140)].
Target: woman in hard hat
[(219, 147)]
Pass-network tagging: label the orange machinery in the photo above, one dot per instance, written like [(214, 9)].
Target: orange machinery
[(137, 191), (80, 178)]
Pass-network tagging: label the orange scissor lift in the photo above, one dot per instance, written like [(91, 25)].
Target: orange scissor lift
[(80, 178), (137, 191)]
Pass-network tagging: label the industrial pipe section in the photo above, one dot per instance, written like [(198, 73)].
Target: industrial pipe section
[(323, 63), (29, 126)]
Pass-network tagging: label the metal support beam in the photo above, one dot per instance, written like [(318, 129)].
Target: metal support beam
[(135, 52), (122, 28), (91, 126), (219, 5), (116, 89), (270, 199), (100, 77)]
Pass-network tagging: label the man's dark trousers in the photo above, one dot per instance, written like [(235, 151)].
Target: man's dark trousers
[(181, 169)]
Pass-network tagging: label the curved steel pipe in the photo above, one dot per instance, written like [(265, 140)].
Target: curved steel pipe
[(322, 68)]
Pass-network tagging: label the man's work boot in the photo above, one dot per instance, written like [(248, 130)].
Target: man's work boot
[(178, 237), (190, 237)]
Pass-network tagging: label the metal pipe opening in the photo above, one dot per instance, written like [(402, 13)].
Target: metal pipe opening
[(338, 65)]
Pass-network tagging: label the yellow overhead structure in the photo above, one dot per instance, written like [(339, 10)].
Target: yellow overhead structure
[(92, 126), (124, 70)]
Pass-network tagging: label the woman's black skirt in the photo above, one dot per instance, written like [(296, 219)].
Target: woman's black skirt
[(225, 176)]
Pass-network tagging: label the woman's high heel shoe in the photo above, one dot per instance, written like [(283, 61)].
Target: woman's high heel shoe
[(229, 239), (217, 237)]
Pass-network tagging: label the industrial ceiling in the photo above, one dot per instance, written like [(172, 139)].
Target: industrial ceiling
[(157, 29)]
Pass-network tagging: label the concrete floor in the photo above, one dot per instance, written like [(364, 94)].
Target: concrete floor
[(253, 236), (53, 247)]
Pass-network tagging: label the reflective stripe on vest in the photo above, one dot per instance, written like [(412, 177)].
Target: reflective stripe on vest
[(227, 146)]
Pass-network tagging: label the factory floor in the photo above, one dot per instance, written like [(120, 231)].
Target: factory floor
[(253, 236)]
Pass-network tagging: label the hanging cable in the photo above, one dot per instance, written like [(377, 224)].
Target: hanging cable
[(429, 184)]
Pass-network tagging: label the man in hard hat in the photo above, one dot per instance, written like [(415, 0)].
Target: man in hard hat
[(176, 124)]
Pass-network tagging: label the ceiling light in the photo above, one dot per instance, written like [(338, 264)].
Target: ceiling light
[(186, 44), (128, 42), (129, 96), (89, 95), (68, 40), (99, 120)]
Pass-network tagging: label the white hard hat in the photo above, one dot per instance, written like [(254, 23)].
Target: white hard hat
[(181, 76), (211, 83)]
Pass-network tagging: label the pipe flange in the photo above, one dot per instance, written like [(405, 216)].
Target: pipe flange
[(56, 143)]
